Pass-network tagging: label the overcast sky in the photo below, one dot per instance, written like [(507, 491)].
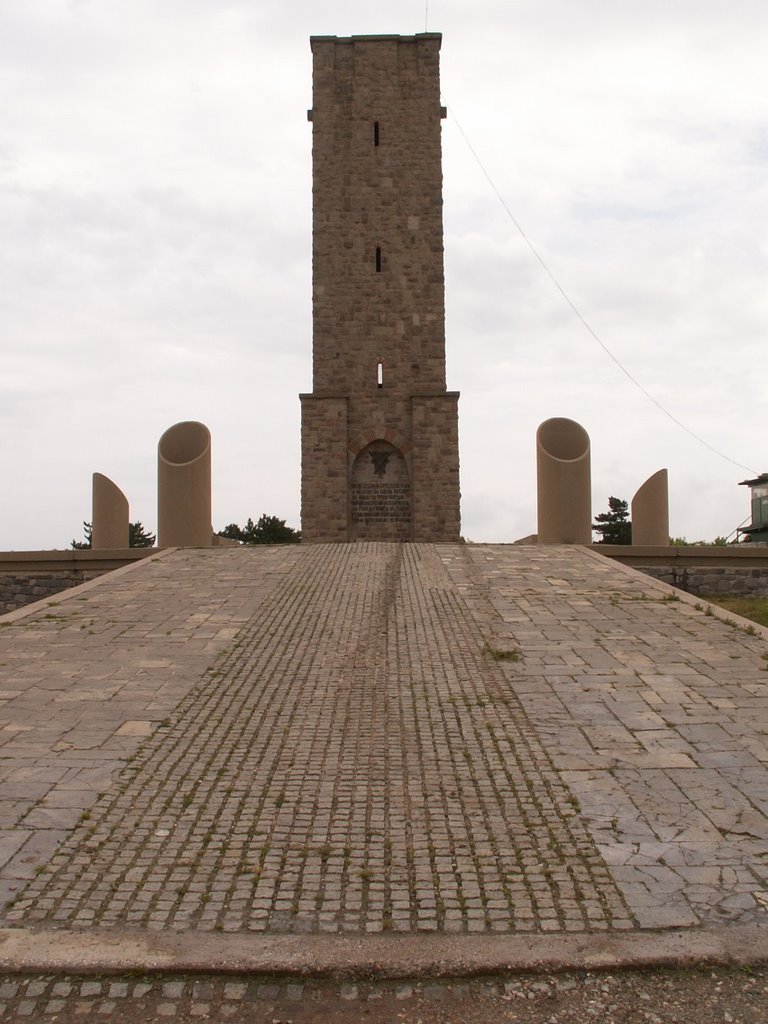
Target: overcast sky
[(155, 246)]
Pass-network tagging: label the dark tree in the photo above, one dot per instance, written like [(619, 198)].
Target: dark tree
[(137, 537), (81, 545), (614, 526), (268, 530), (233, 531)]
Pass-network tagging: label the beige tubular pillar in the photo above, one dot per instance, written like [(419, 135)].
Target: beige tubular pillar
[(184, 486), (650, 511), (563, 483), (109, 512)]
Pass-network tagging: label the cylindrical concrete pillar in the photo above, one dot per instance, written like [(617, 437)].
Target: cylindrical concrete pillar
[(184, 486), (109, 515), (563, 483), (650, 511)]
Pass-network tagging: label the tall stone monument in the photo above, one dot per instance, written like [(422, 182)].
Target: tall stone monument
[(379, 432)]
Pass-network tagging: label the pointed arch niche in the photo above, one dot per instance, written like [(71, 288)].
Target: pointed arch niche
[(380, 494)]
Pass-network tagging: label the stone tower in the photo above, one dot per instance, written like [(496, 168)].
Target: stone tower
[(379, 432)]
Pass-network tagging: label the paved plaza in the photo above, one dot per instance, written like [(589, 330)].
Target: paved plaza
[(367, 739)]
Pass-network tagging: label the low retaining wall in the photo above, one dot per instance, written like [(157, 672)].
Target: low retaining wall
[(16, 589), (741, 569), (739, 582), (27, 576)]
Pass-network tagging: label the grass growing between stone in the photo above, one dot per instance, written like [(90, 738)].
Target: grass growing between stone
[(503, 655), (754, 608)]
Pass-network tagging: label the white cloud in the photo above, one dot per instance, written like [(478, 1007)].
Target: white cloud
[(155, 204)]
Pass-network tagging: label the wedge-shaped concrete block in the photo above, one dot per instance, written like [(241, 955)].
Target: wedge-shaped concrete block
[(110, 515), (650, 511)]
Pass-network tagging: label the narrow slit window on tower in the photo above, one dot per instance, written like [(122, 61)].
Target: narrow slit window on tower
[(378, 259), (375, 133), (380, 375)]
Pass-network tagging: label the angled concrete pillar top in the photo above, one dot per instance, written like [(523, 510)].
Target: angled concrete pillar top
[(184, 486), (184, 442), (650, 511), (563, 482), (109, 515)]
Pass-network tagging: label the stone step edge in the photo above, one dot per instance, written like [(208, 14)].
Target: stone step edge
[(377, 957)]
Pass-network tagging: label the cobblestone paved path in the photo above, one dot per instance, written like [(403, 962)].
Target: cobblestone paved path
[(354, 761), (680, 997), (374, 737), (84, 680)]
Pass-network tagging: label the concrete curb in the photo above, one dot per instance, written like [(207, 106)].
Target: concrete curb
[(24, 951)]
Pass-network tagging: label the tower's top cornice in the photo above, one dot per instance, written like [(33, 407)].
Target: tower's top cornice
[(419, 37)]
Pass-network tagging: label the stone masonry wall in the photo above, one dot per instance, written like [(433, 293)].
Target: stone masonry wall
[(377, 239), (323, 469), (739, 582), (19, 589), (378, 288), (436, 514)]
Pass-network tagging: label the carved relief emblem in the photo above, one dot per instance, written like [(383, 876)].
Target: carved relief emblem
[(379, 460)]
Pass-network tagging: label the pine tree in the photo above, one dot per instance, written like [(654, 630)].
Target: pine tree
[(614, 526), (268, 530), (138, 537), (83, 545)]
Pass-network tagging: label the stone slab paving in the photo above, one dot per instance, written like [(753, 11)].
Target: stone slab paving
[(654, 713), (379, 737)]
